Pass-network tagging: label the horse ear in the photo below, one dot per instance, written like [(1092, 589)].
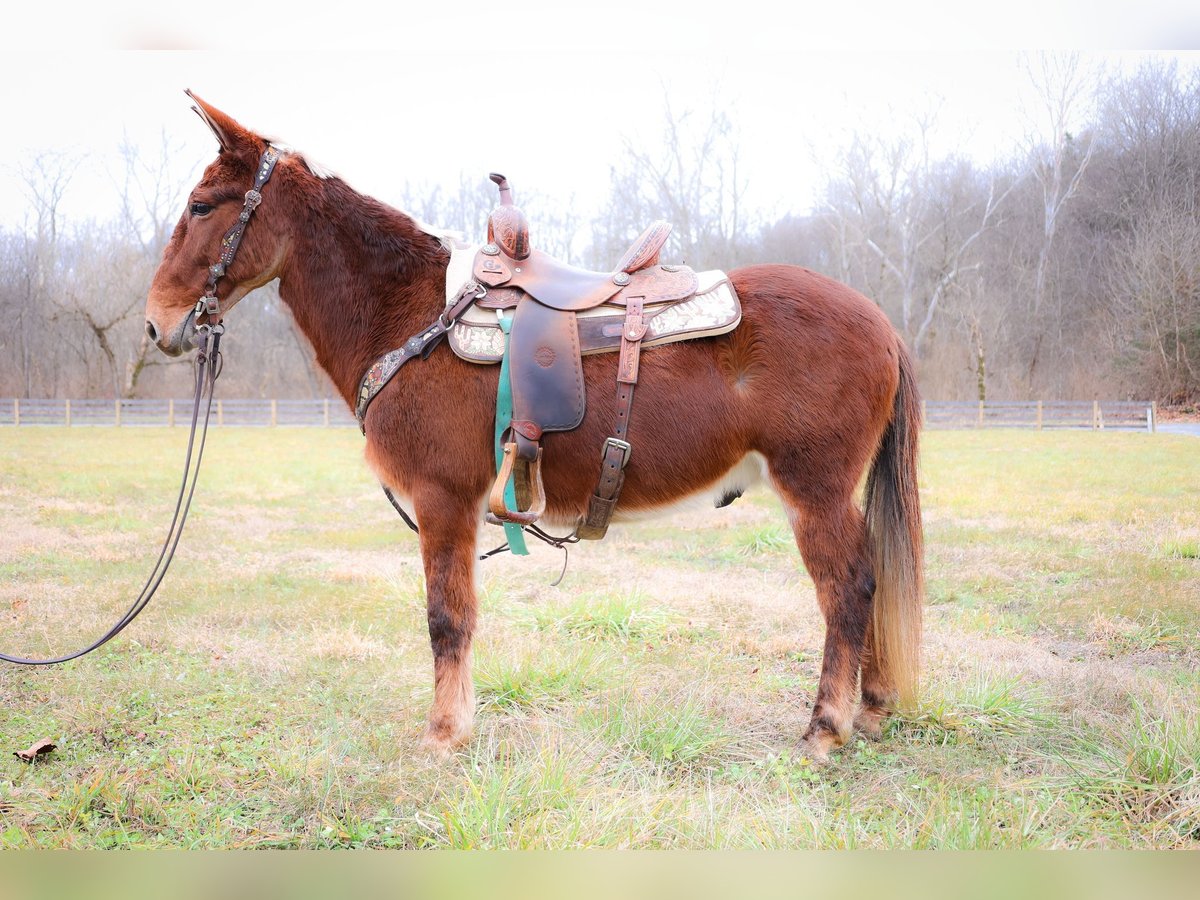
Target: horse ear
[(230, 135)]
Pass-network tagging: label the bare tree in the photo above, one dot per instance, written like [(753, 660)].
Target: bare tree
[(916, 218), (45, 178), (1063, 87), (1154, 281), (105, 289), (691, 177)]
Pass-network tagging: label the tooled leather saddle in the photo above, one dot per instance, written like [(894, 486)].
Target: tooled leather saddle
[(559, 314), (538, 317)]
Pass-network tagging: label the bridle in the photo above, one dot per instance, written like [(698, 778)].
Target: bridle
[(208, 304), (207, 368)]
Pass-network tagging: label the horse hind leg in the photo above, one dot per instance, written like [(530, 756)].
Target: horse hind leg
[(878, 692), (832, 542)]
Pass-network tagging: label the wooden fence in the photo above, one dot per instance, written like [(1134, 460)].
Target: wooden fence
[(1137, 415), (1093, 414), (173, 412)]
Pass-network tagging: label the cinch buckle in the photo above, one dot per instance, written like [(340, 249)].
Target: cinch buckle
[(623, 446)]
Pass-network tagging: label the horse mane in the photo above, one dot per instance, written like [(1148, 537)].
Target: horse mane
[(371, 274), (343, 190)]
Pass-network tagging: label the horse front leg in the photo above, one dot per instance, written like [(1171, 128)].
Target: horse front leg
[(448, 531)]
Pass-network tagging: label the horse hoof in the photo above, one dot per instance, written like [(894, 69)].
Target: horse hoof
[(440, 744), (814, 751), (435, 749), (818, 746), (869, 723)]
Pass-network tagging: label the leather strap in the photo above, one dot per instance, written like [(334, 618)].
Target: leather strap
[(233, 237), (617, 450), (207, 368), (421, 344)]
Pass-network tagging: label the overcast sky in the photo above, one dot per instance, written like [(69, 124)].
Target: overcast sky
[(546, 97)]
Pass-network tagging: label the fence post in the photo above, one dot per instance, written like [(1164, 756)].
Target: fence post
[(1095, 415), (68, 413), (274, 413), (1039, 415), (220, 413), (1152, 414), (117, 411), (979, 421), (16, 410), (327, 412), (171, 413)]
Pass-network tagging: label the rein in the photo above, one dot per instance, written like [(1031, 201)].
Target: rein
[(207, 365)]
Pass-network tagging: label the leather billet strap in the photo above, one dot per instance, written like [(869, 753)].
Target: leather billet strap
[(617, 450), (208, 304), (420, 344)]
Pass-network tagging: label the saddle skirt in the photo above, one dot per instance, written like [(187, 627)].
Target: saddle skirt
[(712, 310)]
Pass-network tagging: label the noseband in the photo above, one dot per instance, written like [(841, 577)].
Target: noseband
[(207, 368)]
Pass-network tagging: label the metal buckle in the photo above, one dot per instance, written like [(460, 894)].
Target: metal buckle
[(480, 293), (623, 446)]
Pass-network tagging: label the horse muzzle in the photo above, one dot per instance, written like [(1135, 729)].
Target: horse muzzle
[(181, 338)]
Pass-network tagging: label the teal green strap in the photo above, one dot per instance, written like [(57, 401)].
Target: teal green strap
[(504, 411)]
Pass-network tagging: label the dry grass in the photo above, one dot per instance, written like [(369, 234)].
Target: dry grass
[(273, 694)]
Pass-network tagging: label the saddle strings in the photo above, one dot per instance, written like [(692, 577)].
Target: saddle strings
[(554, 541), (207, 366)]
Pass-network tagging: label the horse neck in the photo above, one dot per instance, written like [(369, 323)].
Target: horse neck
[(360, 278)]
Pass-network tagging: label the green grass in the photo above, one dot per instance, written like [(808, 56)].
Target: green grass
[(624, 617), (274, 692)]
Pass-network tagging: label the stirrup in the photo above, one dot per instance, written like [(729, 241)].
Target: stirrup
[(498, 510)]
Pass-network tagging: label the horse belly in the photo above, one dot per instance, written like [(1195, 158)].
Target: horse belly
[(689, 432)]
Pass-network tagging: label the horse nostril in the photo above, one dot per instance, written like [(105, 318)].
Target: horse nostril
[(151, 331)]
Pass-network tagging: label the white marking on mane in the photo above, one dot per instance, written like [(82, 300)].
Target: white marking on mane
[(316, 168), (449, 239)]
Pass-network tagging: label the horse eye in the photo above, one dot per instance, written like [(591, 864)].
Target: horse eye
[(201, 209)]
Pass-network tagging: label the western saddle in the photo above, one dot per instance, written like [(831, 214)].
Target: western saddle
[(538, 317), (544, 352)]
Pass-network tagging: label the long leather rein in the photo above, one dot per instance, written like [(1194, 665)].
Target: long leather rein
[(207, 368)]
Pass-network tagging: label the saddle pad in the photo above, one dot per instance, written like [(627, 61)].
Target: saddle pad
[(714, 310)]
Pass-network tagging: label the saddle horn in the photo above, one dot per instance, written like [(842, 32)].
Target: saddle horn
[(507, 226), (505, 191)]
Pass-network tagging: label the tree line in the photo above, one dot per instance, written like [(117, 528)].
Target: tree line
[(1068, 267)]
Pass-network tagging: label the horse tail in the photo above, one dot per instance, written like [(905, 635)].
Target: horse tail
[(896, 541)]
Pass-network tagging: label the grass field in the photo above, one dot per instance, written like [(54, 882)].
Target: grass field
[(274, 692)]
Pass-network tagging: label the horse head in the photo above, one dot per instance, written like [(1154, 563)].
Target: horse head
[(213, 208)]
